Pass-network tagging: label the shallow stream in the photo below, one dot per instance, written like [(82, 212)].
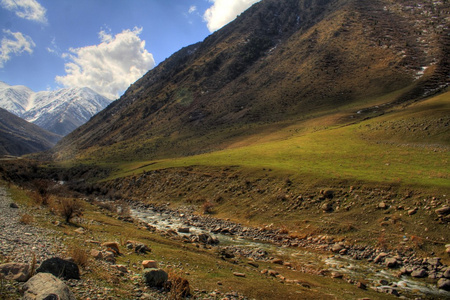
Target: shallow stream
[(378, 277)]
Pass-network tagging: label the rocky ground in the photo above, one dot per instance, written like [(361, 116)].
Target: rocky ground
[(24, 243)]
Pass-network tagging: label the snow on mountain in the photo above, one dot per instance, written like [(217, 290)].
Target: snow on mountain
[(58, 111), (14, 98)]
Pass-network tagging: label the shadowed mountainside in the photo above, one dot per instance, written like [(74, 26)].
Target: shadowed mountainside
[(280, 61), (18, 137)]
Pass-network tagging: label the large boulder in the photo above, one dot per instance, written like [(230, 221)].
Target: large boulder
[(60, 268), (46, 286), (155, 277), (15, 271)]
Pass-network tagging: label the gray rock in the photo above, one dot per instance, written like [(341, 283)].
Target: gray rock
[(46, 286), (60, 268), (155, 277), (444, 284), (15, 271)]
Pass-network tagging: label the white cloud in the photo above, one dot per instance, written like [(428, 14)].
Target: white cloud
[(19, 44), (26, 9), (224, 11), (192, 9), (110, 67)]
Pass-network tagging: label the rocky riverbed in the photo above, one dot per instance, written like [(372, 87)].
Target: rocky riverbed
[(388, 271)]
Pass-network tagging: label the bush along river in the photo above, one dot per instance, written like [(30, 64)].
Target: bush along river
[(400, 274)]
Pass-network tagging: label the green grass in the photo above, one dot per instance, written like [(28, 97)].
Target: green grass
[(350, 152)]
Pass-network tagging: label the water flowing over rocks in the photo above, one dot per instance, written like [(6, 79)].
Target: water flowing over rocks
[(405, 263)]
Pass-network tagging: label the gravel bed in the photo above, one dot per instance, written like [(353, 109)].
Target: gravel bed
[(18, 241)]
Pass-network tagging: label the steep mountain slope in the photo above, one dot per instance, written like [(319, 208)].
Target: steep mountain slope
[(18, 137), (280, 61), (58, 111)]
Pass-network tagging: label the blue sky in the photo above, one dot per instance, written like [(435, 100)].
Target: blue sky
[(103, 44)]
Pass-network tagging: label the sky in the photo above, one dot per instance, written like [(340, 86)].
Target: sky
[(105, 45)]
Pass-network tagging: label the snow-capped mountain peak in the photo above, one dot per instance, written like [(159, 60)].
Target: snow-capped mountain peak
[(59, 111)]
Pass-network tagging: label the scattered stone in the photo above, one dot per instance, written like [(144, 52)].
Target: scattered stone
[(443, 211), (434, 261), (447, 273), (253, 264), (46, 286), (149, 264), (114, 246), (383, 205), (412, 211), (380, 257), (80, 230), (444, 284), (337, 247), (15, 271), (391, 262), (121, 268), (361, 285), (336, 275), (109, 256), (96, 254), (60, 268), (328, 194), (327, 207), (277, 261), (155, 277), (237, 274), (183, 229), (272, 273), (419, 273)]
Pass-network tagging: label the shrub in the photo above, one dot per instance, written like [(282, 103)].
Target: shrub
[(26, 219), (70, 208), (79, 256), (178, 286), (207, 207)]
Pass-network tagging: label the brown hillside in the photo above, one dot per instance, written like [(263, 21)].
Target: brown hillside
[(279, 61)]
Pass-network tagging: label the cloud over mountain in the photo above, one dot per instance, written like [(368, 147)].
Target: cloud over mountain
[(109, 67), (224, 11)]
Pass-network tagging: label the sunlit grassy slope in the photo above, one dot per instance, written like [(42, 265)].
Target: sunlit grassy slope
[(407, 146)]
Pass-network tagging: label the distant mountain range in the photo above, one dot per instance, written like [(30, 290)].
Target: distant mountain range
[(58, 111), (19, 137)]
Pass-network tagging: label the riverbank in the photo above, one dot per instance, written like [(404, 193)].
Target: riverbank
[(389, 271)]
